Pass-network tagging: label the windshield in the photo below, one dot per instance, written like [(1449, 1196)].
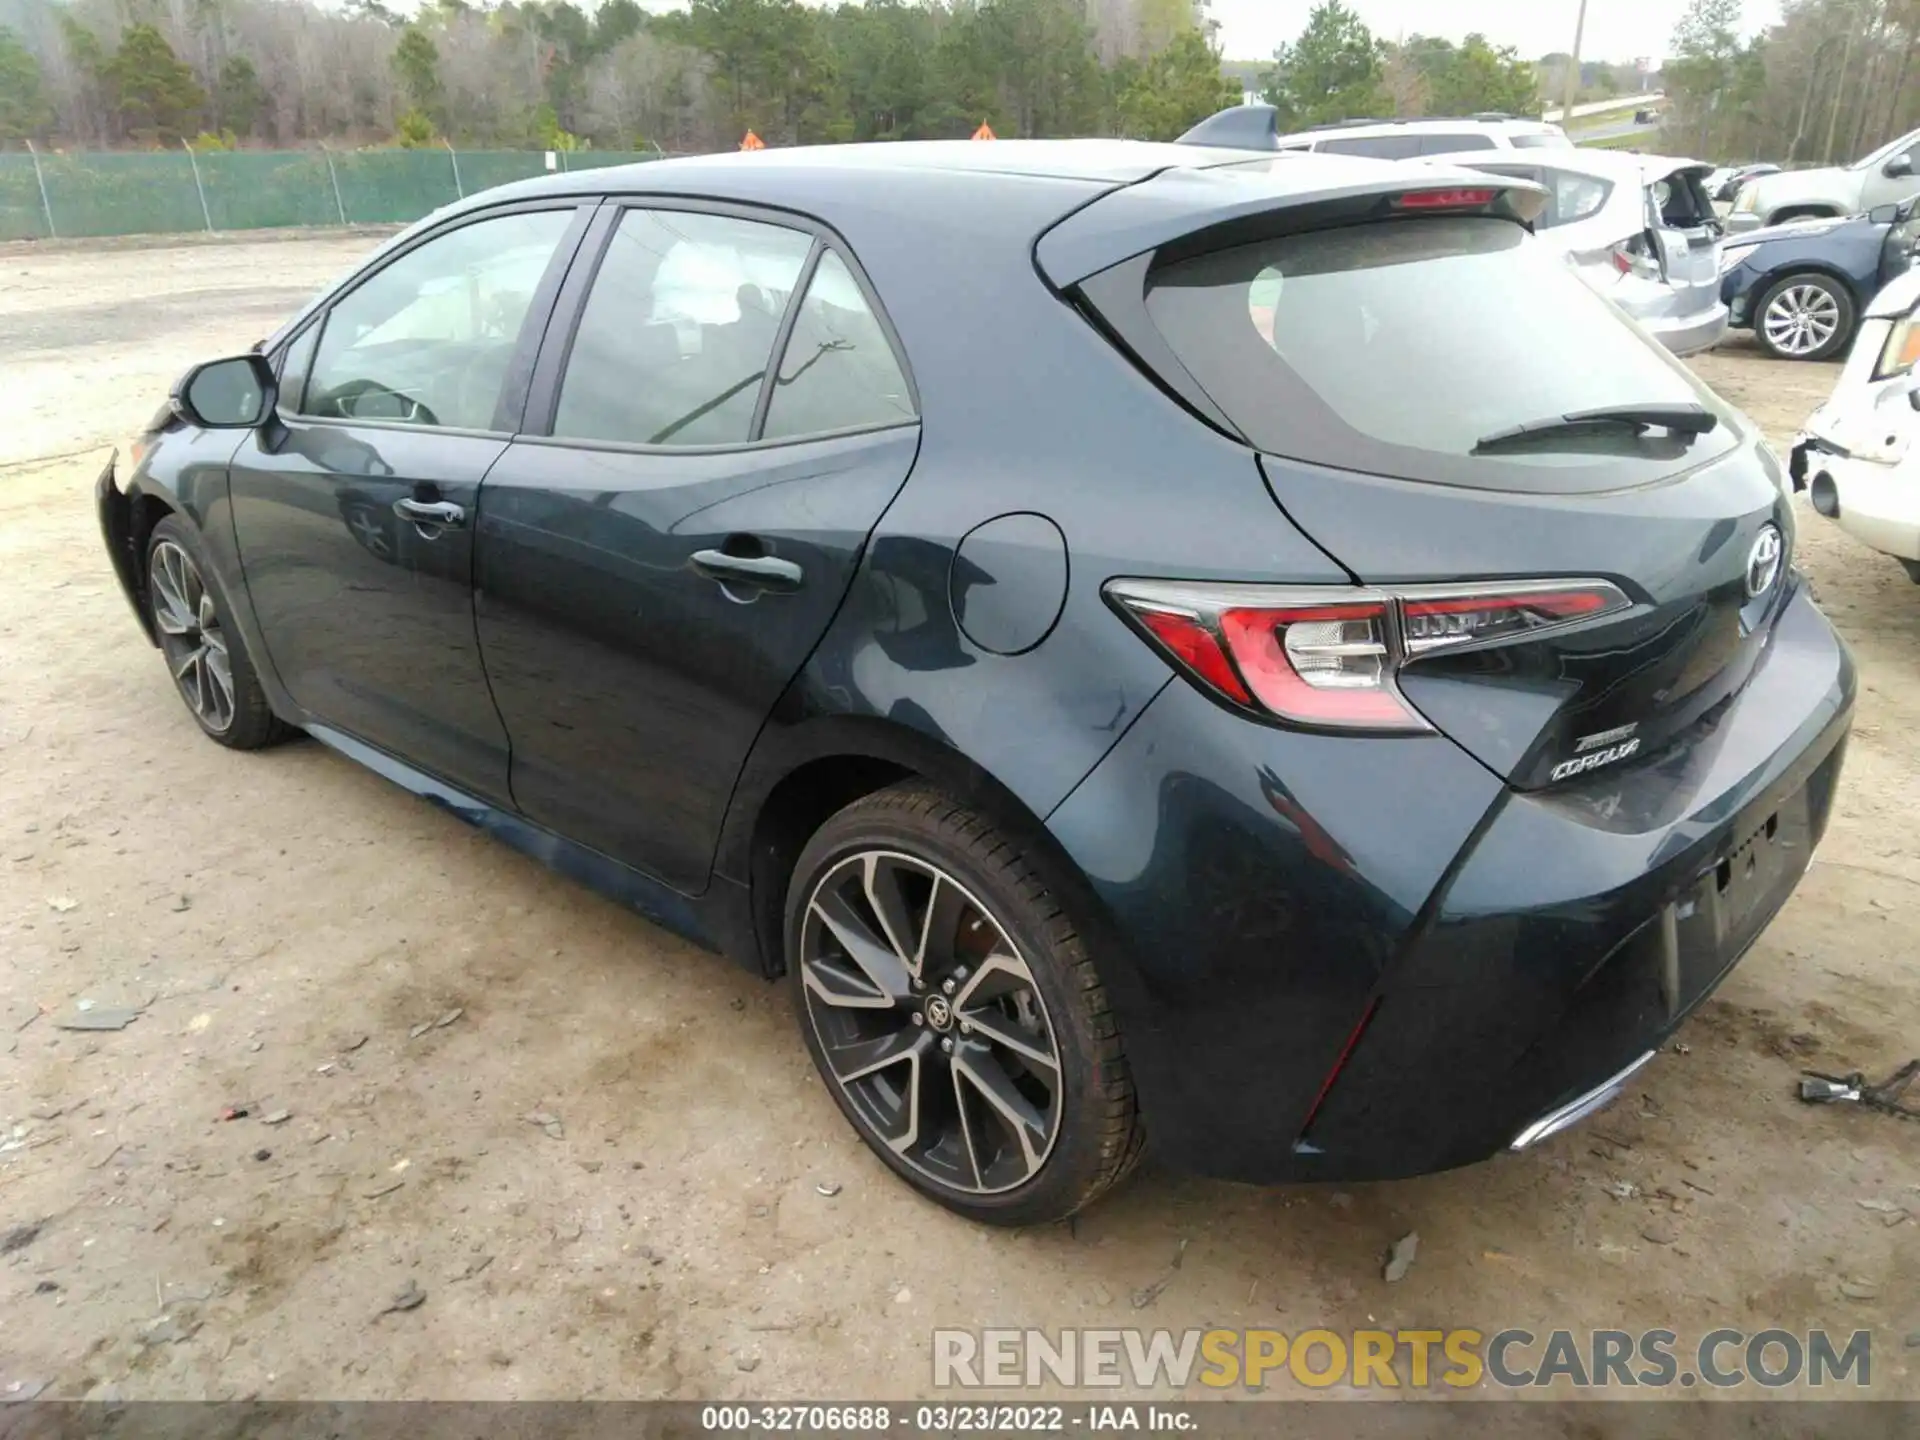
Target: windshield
[(1394, 348)]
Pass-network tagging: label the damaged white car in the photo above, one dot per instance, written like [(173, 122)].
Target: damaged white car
[(1857, 458)]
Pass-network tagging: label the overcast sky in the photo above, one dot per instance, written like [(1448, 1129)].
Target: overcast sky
[(1617, 30)]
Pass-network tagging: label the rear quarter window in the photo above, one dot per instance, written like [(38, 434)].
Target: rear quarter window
[(1395, 348)]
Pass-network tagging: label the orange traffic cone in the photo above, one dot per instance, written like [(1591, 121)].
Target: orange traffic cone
[(753, 142), (985, 132)]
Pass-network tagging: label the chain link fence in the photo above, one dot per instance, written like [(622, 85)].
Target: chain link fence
[(165, 192)]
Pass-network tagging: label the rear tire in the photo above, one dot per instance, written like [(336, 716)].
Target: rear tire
[(204, 653), (1806, 316), (950, 1007)]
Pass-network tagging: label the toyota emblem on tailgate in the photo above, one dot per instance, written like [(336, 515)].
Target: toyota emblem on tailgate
[(1763, 562)]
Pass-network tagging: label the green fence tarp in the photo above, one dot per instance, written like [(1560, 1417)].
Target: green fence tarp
[(156, 193), (251, 191)]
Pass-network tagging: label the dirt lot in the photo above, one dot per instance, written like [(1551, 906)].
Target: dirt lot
[(283, 921)]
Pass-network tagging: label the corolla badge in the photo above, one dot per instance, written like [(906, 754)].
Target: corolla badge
[(1763, 562), (1593, 760)]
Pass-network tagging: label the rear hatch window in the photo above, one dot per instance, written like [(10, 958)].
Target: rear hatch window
[(1400, 349)]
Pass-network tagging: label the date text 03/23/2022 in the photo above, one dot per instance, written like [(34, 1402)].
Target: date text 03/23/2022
[(950, 1419)]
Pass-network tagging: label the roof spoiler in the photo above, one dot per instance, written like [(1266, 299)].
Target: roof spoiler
[(1231, 204), (1239, 127)]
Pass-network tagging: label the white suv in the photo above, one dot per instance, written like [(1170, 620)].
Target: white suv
[(1257, 127)]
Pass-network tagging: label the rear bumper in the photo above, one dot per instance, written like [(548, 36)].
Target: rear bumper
[(1689, 334), (1877, 504), (1591, 1102), (1481, 957)]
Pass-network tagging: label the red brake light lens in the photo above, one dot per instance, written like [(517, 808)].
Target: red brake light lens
[(1195, 645), (1444, 199), (1323, 665), (1328, 658), (1631, 257)]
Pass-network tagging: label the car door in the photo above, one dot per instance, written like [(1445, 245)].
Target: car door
[(661, 550), (1901, 245), (352, 508)]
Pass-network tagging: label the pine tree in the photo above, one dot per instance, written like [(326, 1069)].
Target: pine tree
[(1170, 92), (159, 101), (416, 61), (1334, 71), (24, 111), (239, 99)]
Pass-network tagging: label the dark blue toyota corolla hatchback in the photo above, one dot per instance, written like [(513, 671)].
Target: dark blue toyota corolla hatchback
[(1152, 642)]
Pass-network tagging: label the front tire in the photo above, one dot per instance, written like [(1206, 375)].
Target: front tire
[(950, 1007), (204, 653), (1804, 317)]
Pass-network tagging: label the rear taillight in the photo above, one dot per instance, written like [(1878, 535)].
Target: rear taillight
[(1430, 623), (1191, 641), (1327, 658), (1634, 257)]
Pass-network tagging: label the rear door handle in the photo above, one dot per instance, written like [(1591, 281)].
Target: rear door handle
[(761, 572), (431, 512)]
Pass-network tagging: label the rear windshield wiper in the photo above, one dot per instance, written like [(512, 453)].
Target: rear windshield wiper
[(1688, 420)]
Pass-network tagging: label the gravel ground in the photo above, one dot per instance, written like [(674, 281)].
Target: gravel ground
[(284, 922)]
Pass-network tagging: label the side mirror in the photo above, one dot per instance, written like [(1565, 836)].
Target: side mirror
[(1898, 166), (1884, 214), (233, 394), (1913, 397)]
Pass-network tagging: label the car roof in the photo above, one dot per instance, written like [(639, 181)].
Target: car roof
[(1108, 162), (900, 188)]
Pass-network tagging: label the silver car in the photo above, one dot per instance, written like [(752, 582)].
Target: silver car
[(1639, 228), (1885, 177)]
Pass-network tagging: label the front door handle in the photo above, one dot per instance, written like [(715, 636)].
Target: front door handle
[(759, 572), (431, 512)]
